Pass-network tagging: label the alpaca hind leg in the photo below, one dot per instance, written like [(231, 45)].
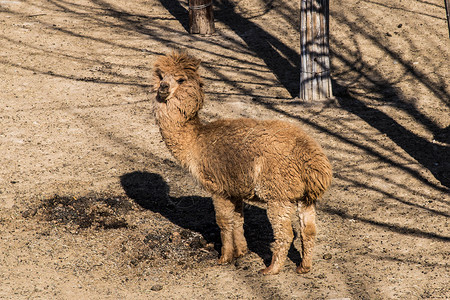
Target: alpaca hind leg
[(307, 216), (240, 244), (279, 215), (225, 210)]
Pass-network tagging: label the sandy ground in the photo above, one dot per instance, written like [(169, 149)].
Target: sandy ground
[(92, 205)]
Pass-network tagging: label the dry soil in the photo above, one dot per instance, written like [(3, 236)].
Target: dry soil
[(92, 205)]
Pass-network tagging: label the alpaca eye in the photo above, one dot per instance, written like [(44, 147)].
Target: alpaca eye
[(181, 80)]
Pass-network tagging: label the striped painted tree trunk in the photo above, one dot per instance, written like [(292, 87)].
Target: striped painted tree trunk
[(315, 80)]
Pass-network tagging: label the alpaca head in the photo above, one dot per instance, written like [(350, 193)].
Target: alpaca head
[(177, 84)]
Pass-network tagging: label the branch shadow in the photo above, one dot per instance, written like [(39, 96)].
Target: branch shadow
[(434, 157), (391, 227), (150, 191), (178, 11), (280, 58)]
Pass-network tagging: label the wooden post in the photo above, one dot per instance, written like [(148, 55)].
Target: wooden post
[(201, 18), (315, 80)]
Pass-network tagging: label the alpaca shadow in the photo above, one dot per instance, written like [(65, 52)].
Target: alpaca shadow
[(150, 191)]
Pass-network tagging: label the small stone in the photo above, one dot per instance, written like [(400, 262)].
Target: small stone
[(198, 242), (29, 213), (134, 262), (185, 234), (156, 288)]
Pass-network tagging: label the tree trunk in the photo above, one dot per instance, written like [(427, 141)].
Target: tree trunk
[(201, 18), (315, 80)]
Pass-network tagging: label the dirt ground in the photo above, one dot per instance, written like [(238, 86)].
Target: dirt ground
[(92, 205)]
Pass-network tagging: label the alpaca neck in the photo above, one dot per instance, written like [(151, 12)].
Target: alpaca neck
[(180, 136)]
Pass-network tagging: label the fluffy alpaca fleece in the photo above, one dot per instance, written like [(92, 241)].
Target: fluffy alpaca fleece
[(237, 160)]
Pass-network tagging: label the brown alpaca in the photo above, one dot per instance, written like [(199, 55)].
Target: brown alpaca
[(237, 160)]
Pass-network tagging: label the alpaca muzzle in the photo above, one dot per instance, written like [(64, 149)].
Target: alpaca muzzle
[(163, 91)]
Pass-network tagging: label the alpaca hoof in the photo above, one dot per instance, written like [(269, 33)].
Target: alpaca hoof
[(224, 260), (303, 270), (269, 271), (240, 253)]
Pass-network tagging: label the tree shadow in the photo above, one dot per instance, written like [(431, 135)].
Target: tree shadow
[(433, 156), (280, 58), (391, 227), (150, 191), (178, 11)]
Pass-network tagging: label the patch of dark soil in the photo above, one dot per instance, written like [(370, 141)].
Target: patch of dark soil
[(84, 212), (182, 245)]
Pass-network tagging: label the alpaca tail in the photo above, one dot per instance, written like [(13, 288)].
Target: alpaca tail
[(317, 178)]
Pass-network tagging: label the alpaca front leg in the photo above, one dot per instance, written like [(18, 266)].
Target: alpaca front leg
[(225, 210), (240, 244), (307, 216), (279, 215)]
